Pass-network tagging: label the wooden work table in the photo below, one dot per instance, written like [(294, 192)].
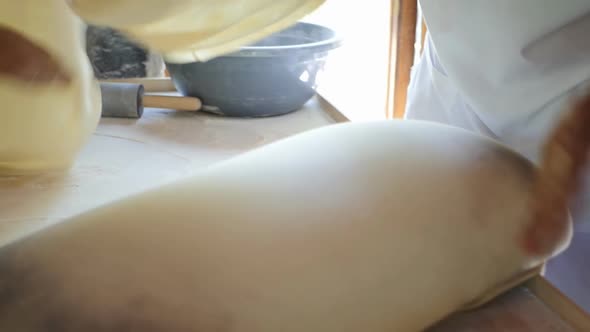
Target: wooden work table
[(126, 156)]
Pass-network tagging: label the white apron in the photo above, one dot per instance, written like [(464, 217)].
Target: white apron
[(495, 67)]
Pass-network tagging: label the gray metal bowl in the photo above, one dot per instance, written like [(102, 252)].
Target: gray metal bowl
[(274, 76)]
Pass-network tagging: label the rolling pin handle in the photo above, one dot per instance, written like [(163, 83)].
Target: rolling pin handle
[(122, 100)]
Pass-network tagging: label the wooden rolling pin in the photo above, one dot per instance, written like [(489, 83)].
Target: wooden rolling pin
[(127, 100), (178, 103)]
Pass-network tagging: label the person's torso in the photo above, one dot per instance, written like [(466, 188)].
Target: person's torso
[(506, 69), (494, 53)]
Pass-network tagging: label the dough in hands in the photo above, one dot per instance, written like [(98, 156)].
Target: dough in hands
[(195, 30), (376, 227), (50, 100)]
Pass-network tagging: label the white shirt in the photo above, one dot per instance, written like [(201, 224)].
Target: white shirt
[(503, 68)]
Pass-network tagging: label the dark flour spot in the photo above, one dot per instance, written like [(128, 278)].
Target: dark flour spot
[(25, 294), (126, 321), (18, 280), (32, 300), (75, 322)]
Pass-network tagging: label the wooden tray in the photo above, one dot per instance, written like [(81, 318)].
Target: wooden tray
[(535, 306)]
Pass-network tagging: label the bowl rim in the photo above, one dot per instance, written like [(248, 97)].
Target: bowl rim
[(269, 51)]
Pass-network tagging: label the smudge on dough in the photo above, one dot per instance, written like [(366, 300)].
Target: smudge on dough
[(22, 59)]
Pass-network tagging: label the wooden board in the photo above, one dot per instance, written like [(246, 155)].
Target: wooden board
[(517, 311), (559, 303)]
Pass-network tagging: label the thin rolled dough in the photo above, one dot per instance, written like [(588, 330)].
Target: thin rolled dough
[(195, 30), (376, 227)]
